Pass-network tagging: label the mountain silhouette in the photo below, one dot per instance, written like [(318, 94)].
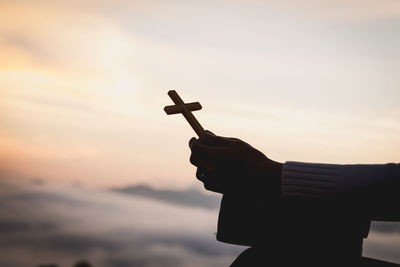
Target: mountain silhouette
[(187, 197)]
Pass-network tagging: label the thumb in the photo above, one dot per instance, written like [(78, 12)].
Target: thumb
[(211, 139), (207, 131)]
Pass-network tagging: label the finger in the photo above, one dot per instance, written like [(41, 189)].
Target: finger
[(204, 177), (200, 174), (211, 182), (193, 139), (229, 138), (210, 138), (207, 151), (202, 163)]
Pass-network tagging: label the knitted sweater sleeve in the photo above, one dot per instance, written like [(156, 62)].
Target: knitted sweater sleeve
[(373, 188)]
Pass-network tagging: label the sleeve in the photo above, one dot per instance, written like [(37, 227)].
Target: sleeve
[(375, 189)]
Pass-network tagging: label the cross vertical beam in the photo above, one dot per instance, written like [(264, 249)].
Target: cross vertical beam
[(186, 110)]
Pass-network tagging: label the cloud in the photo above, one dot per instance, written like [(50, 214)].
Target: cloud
[(383, 245), (53, 102), (386, 227), (48, 223), (188, 197), (61, 225)]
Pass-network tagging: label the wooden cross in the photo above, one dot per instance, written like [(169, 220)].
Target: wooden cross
[(185, 109)]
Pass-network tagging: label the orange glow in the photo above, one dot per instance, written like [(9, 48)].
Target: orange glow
[(83, 85)]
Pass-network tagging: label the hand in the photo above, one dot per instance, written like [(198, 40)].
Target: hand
[(229, 165)]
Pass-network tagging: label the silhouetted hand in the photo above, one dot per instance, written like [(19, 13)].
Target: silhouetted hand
[(229, 165)]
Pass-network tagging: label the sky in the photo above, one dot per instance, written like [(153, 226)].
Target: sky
[(83, 84)]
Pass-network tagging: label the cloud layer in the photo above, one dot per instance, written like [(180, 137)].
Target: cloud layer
[(41, 223)]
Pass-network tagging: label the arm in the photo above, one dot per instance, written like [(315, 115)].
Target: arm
[(372, 189)]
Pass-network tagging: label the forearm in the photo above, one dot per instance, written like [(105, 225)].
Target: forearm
[(372, 189)]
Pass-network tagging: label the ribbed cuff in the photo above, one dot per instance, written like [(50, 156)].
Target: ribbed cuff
[(309, 180)]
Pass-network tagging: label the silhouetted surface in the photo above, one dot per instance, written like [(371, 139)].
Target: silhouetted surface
[(82, 263), (256, 257)]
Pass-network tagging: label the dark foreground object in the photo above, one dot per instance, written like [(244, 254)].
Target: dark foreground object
[(82, 263), (254, 257)]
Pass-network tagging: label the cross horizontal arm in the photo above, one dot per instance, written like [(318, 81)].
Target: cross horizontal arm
[(179, 108)]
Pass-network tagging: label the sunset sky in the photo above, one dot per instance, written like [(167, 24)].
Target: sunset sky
[(83, 84)]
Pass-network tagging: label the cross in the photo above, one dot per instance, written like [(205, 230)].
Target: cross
[(185, 109)]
